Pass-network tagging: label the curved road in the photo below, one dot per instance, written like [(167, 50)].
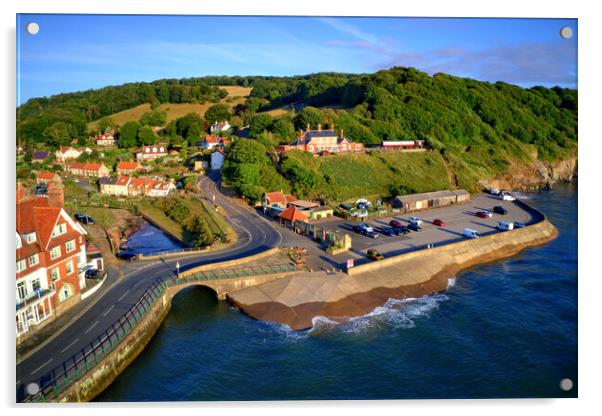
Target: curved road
[(255, 234)]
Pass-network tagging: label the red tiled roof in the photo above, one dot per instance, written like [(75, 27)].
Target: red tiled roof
[(122, 180), (128, 165), (213, 139), (45, 175), (290, 198), (275, 197), (293, 214)]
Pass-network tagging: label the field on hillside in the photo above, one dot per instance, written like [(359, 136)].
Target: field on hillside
[(236, 95), (380, 174)]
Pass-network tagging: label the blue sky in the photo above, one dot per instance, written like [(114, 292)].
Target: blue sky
[(79, 52)]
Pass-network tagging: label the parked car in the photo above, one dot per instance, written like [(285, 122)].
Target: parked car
[(79, 217), (507, 197), (362, 206), (484, 214), (126, 255), (470, 233), (505, 226), (371, 234), (84, 219), (416, 220), (395, 223), (388, 231), (498, 209), (519, 225), (494, 191), (365, 226), (374, 255), (414, 227), (439, 223), (401, 230), (95, 274), (346, 207)]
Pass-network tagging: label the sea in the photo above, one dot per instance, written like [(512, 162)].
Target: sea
[(506, 329)]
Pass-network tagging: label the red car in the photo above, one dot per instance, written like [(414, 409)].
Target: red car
[(484, 214), (395, 223), (439, 223)]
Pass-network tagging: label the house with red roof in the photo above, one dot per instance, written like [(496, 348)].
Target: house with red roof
[(322, 141), (66, 153), (276, 199), (50, 263), (89, 169), (211, 142), (45, 177), (105, 139), (127, 168), (151, 152), (291, 216)]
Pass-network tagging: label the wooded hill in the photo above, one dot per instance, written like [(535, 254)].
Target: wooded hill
[(476, 129)]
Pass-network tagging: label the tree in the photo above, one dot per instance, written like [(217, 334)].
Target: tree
[(217, 112), (309, 116), (146, 136), (259, 124), (284, 129), (106, 123), (129, 135), (58, 134), (154, 118), (194, 132), (183, 124)]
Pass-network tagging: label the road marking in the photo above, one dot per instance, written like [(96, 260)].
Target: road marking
[(70, 345), (138, 284), (40, 367), (109, 310), (93, 325), (123, 296)]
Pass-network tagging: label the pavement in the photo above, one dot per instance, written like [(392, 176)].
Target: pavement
[(255, 235)]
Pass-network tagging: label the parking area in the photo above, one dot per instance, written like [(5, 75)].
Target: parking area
[(456, 219)]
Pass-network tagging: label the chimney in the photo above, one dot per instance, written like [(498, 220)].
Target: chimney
[(342, 134), (319, 127), (56, 195), (307, 127)]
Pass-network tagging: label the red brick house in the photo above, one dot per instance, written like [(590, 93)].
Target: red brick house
[(151, 152), (50, 257), (105, 139)]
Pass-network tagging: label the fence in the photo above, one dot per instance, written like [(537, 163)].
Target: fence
[(65, 375)]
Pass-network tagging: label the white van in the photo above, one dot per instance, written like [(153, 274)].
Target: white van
[(415, 220), (470, 233), (507, 197), (505, 226)]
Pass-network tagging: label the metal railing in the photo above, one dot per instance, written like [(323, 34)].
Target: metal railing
[(65, 375)]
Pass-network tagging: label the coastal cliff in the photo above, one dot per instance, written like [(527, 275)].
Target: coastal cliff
[(536, 175), (296, 300)]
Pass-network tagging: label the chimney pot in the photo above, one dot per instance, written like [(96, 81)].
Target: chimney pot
[(319, 127)]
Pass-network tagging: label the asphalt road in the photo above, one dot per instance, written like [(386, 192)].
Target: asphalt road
[(255, 234)]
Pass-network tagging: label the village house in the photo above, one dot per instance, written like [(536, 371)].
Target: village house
[(322, 141), (277, 199), (115, 185), (217, 159), (220, 126), (66, 153), (89, 170), (105, 139), (291, 216), (44, 177), (51, 259), (39, 156), (151, 152), (128, 168), (128, 186), (211, 141)]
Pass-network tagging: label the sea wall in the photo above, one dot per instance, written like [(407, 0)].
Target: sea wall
[(296, 300)]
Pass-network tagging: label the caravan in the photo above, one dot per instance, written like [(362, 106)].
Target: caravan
[(470, 233)]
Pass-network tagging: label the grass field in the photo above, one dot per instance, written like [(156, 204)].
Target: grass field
[(236, 95)]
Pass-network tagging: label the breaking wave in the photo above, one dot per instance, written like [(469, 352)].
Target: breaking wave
[(395, 313)]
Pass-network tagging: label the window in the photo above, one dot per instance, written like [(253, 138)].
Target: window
[(54, 274), (35, 285), (21, 266), (30, 238), (65, 292), (19, 243), (60, 229), (70, 246), (69, 267), (55, 252), (33, 260), (21, 290)]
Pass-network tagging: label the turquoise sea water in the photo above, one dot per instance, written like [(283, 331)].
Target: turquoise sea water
[(505, 329)]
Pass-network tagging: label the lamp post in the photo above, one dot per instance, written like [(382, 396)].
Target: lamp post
[(178, 268)]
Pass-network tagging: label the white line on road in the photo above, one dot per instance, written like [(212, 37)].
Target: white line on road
[(92, 326), (125, 293), (108, 310), (40, 367), (68, 346)]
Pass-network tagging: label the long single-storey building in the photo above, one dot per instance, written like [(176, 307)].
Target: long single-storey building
[(426, 200)]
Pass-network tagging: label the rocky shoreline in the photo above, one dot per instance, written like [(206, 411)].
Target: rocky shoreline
[(296, 300)]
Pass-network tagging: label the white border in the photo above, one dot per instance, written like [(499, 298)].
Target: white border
[(590, 72)]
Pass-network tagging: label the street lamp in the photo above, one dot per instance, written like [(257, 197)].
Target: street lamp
[(178, 268)]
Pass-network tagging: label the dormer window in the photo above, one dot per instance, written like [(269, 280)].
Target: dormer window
[(30, 238), (59, 229)]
